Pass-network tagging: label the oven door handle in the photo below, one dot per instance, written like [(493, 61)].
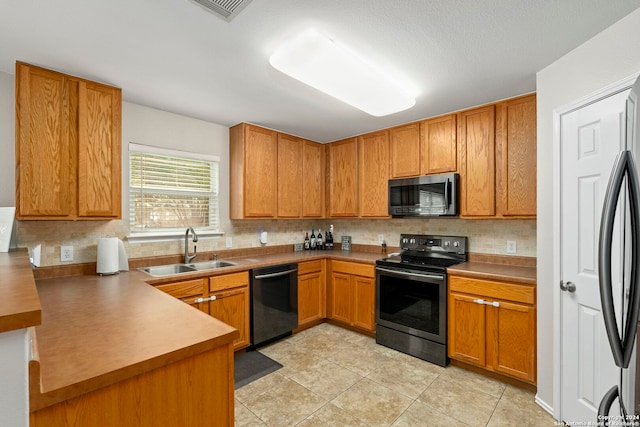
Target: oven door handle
[(419, 275)]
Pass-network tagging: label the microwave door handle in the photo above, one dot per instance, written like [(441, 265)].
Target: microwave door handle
[(446, 193)]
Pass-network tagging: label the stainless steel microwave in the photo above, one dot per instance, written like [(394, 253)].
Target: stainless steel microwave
[(431, 195)]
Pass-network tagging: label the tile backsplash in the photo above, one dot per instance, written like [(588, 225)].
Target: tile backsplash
[(485, 236)]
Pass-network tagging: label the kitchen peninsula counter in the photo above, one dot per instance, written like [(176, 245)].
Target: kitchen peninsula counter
[(116, 334)]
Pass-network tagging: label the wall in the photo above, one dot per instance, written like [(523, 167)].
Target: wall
[(14, 387), (605, 59), (7, 124)]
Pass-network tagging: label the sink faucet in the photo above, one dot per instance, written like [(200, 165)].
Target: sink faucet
[(187, 257)]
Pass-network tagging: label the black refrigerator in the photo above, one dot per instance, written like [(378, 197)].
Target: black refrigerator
[(620, 308)]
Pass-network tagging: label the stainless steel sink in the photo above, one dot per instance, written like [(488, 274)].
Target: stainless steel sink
[(171, 269), (167, 270), (209, 265)]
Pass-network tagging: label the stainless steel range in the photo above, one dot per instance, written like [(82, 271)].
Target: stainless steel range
[(411, 295)]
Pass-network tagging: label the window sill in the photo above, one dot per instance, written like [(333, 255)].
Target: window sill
[(165, 236)]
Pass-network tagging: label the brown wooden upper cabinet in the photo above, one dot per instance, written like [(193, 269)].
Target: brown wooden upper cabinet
[(477, 156), (274, 175), (438, 150), (289, 176), (68, 147), (516, 156), (253, 165), (373, 165), (313, 179), (405, 150), (498, 159), (343, 178)]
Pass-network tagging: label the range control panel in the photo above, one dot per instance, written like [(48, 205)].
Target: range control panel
[(422, 242)]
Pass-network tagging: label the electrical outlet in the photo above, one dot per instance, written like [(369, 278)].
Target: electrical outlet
[(66, 253), (380, 239), (511, 247), (229, 242)]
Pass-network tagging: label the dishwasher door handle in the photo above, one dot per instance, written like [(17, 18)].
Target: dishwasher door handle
[(270, 275)]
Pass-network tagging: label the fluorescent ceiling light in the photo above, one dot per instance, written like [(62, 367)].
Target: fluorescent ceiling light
[(333, 69)]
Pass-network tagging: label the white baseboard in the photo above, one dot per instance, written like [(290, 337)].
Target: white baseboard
[(544, 405)]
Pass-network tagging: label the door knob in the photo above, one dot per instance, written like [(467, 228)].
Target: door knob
[(568, 287)]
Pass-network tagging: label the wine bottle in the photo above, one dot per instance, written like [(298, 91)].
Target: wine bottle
[(307, 244), (319, 243), (313, 240)]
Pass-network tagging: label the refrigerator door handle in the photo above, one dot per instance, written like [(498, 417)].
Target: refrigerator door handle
[(604, 258), (606, 402), (629, 331)]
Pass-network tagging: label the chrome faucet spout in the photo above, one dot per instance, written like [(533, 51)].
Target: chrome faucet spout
[(188, 258)]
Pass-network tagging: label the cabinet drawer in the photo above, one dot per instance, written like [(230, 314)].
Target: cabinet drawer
[(353, 268), (309, 267), (188, 288), (228, 281), (493, 289)]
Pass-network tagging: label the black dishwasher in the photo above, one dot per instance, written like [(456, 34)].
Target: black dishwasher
[(274, 303)]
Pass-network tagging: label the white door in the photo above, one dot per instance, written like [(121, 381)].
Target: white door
[(591, 138)]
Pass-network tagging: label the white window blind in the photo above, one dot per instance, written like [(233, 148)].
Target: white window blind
[(170, 189)]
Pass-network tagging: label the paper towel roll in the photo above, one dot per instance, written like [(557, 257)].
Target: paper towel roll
[(108, 258)]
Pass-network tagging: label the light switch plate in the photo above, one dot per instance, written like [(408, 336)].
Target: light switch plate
[(511, 247), (229, 242), (380, 239)]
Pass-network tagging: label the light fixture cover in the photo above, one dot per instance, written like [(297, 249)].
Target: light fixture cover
[(333, 69)]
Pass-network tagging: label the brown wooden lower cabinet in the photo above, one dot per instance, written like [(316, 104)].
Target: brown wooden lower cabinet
[(492, 325), (231, 304), (311, 292), (224, 297), (197, 391), (351, 294)]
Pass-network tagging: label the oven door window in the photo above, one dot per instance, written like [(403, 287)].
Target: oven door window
[(414, 306)]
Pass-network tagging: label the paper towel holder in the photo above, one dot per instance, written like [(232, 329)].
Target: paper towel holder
[(111, 256)]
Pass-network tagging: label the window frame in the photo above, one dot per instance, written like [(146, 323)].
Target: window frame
[(159, 234)]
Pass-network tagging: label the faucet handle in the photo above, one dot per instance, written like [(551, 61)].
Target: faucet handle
[(215, 257)]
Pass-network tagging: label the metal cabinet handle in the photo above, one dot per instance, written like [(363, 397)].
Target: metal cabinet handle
[(492, 303), (568, 287)]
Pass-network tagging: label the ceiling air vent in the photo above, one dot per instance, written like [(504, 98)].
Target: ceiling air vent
[(226, 9)]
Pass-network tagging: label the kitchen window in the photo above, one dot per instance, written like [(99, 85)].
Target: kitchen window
[(170, 190)]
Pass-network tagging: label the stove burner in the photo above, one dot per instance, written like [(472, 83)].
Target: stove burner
[(428, 253)]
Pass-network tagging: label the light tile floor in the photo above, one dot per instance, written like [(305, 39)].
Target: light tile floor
[(335, 377)]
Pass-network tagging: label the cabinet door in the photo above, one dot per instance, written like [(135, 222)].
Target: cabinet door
[(260, 172), (313, 178), (405, 150), (477, 156), (99, 150), (466, 329), (374, 174), (516, 156), (311, 297), (438, 150), (289, 176), (45, 145), (232, 308), (343, 178), (341, 297), (511, 340), (364, 301)]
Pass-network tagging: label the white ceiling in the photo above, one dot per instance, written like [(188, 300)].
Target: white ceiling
[(175, 56)]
